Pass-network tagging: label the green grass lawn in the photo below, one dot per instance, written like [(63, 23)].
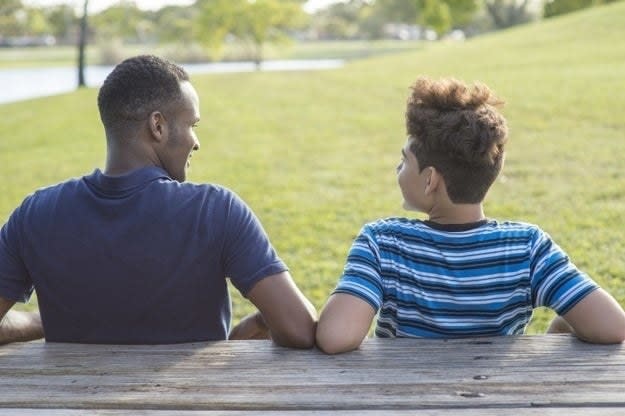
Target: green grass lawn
[(314, 153)]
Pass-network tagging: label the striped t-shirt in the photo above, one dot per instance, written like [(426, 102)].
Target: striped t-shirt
[(429, 280)]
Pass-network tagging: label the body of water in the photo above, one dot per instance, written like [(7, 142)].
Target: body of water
[(24, 83)]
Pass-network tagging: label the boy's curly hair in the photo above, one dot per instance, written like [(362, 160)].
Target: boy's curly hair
[(457, 130)]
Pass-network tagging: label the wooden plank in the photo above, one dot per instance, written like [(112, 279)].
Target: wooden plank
[(386, 412), (401, 374)]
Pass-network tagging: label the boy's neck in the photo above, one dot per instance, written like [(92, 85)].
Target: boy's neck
[(457, 214)]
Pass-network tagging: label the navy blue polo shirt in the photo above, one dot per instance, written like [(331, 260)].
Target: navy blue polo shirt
[(133, 259)]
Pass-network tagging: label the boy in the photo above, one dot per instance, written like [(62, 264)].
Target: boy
[(458, 274)]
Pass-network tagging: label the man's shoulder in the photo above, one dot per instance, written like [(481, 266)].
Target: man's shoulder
[(48, 191), (212, 191)]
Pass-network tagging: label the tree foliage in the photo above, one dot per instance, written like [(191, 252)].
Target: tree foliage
[(506, 13), (255, 22), (435, 15), (462, 12), (261, 21), (62, 20), (9, 17), (558, 7), (174, 24), (123, 20), (344, 20)]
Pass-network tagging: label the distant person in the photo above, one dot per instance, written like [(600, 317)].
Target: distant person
[(135, 255), (458, 273)]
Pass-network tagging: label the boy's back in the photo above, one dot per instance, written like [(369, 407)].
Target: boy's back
[(479, 279)]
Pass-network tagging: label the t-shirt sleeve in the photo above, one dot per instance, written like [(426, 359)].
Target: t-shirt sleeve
[(362, 273), (556, 282), (248, 255), (15, 282)]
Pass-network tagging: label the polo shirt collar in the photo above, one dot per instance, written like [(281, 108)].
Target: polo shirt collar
[(127, 182)]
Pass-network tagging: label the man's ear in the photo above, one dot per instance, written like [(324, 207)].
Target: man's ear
[(432, 180), (157, 125)]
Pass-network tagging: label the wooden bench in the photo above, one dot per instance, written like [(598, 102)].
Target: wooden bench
[(521, 375)]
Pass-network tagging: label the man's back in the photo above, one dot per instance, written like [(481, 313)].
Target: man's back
[(137, 258)]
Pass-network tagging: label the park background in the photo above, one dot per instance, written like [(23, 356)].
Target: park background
[(314, 152)]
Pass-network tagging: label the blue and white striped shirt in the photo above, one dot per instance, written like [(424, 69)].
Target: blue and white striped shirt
[(427, 280)]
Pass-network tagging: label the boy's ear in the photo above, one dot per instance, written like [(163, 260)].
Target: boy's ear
[(432, 180), (157, 125)]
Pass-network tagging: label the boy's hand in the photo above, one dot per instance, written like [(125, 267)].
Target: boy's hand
[(251, 327)]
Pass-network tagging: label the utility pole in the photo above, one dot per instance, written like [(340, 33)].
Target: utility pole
[(81, 46)]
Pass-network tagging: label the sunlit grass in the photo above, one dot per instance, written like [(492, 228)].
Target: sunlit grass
[(314, 152)]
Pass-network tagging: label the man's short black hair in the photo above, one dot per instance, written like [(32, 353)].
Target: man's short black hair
[(137, 87)]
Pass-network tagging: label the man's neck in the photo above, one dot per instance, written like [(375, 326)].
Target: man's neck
[(120, 161)]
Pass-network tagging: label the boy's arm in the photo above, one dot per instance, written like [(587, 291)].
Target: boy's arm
[(598, 318), (18, 326), (286, 312), (344, 323)]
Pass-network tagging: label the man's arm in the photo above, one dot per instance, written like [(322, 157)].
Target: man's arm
[(18, 326), (598, 318), (288, 315), (344, 323), (252, 326)]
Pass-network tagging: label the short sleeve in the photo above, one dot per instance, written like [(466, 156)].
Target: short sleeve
[(362, 273), (15, 282), (556, 282), (248, 255)]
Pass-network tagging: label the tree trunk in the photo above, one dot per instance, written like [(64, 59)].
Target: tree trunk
[(82, 40)]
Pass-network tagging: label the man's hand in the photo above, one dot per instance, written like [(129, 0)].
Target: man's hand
[(19, 326), (251, 327)]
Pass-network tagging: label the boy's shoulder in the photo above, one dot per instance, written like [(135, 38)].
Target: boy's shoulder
[(411, 226)]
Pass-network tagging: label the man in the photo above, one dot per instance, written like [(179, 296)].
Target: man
[(134, 255)]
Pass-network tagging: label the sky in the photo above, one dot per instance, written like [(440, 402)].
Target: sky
[(97, 5)]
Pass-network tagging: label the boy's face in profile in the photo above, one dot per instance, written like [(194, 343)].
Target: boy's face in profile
[(411, 180)]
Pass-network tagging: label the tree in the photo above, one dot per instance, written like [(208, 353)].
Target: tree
[(35, 22), (462, 12), (440, 15), (214, 20), (61, 21), (558, 7), (397, 11), (262, 21), (11, 12), (124, 20), (254, 22), (435, 15), (506, 13), (175, 23), (340, 20)]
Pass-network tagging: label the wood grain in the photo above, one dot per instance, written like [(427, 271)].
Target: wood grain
[(485, 376)]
